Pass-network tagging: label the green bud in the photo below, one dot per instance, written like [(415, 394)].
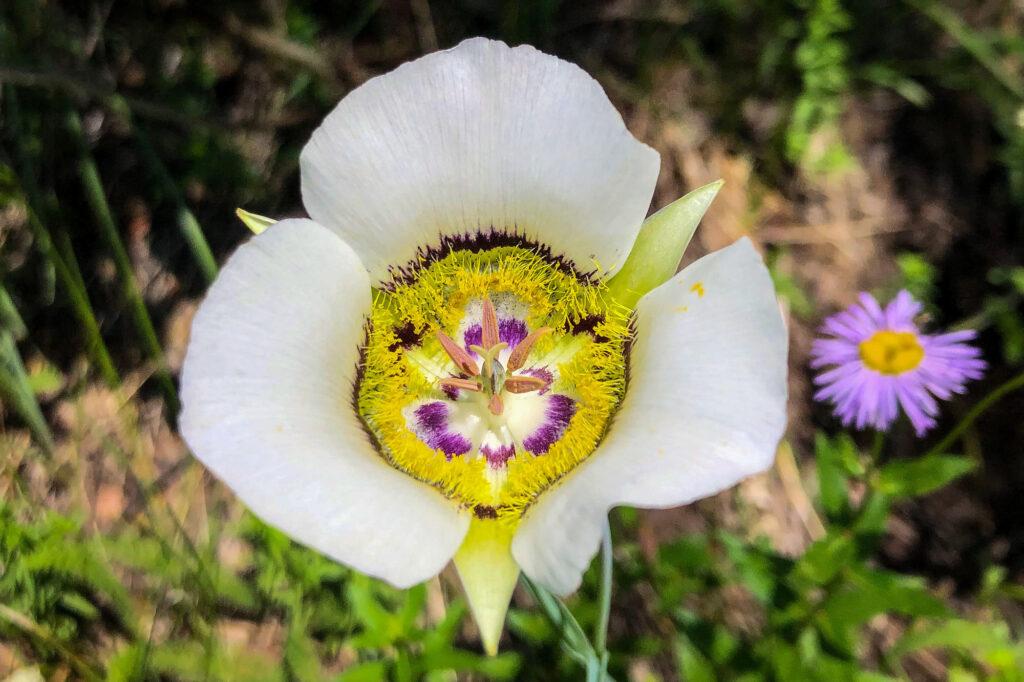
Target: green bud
[(660, 245)]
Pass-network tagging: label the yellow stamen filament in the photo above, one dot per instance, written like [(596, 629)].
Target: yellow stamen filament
[(522, 351), (891, 352)]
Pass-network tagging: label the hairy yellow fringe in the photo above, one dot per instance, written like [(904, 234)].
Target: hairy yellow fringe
[(392, 378)]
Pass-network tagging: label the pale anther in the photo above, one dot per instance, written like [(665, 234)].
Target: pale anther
[(462, 359), (460, 384), (522, 351), (522, 384), (489, 324)]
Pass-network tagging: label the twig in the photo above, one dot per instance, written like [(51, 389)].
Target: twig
[(979, 48), (82, 87), (789, 474), (424, 25), (279, 46), (821, 234)]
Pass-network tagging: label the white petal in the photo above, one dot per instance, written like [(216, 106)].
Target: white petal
[(477, 137), (267, 394), (705, 407)]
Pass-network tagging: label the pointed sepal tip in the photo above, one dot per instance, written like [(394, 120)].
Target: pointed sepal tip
[(489, 575), (659, 246)]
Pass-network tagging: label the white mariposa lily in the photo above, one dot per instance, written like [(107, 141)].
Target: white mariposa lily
[(443, 363)]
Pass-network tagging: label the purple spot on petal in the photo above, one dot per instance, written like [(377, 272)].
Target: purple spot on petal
[(540, 373), (559, 412), (432, 428), (512, 331), (450, 391), (497, 457), (473, 336)]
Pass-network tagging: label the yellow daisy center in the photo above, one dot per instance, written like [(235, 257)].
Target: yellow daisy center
[(492, 374), (891, 352)]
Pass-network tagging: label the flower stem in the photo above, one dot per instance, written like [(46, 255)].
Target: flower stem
[(877, 445), (601, 628), (988, 401), (574, 640)]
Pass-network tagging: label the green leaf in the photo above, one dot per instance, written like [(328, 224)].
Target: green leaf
[(693, 665), (908, 477), (255, 222), (868, 593), (45, 379), (832, 474), (370, 671), (300, 657), (754, 567), (991, 642), (659, 247), (824, 559), (501, 667)]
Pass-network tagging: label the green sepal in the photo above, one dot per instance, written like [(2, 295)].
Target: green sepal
[(256, 223), (660, 245)]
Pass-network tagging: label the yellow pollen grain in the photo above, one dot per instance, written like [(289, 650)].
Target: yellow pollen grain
[(698, 288), (891, 352)]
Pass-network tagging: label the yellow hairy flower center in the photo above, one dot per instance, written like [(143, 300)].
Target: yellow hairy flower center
[(492, 374), (891, 352)]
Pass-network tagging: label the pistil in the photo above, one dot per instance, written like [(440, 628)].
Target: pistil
[(490, 377)]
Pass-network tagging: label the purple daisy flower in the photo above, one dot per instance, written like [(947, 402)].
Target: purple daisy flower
[(878, 361)]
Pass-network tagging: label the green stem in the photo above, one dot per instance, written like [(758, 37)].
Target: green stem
[(570, 632), (601, 628), (877, 445), (574, 640), (984, 404), (869, 506), (93, 188)]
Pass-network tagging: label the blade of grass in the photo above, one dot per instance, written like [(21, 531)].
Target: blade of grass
[(10, 319), (16, 391), (974, 43), (86, 670), (65, 266), (93, 188), (187, 223)]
